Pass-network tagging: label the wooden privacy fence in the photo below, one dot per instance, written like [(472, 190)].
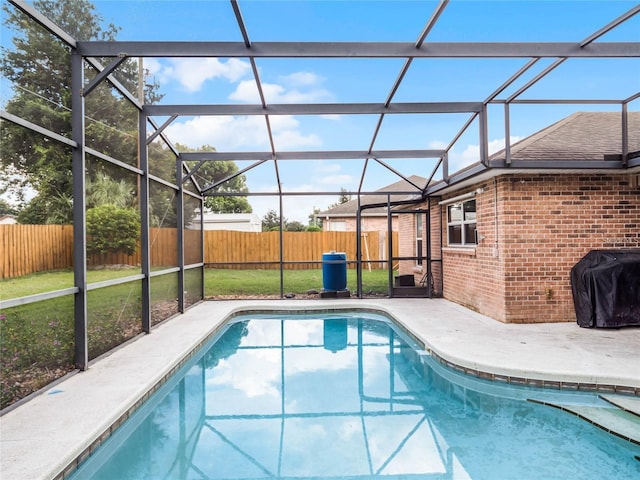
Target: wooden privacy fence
[(35, 248), (262, 249), (28, 249)]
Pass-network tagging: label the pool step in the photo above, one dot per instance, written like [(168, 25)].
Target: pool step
[(615, 420), (630, 404)]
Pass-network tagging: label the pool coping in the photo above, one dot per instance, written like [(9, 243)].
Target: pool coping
[(65, 462)]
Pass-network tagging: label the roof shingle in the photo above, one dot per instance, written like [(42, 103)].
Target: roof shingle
[(582, 136)]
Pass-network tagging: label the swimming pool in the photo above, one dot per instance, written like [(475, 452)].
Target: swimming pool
[(348, 396)]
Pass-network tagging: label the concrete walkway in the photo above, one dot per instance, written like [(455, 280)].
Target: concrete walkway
[(47, 436)]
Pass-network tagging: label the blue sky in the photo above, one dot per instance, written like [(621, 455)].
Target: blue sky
[(194, 81)]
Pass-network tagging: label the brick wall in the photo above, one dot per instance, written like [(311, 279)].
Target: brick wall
[(436, 252), (473, 276), (546, 223), (549, 222), (369, 224)]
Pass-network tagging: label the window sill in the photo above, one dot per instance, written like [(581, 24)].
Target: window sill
[(468, 251)]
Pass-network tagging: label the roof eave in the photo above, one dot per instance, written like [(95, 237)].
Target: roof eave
[(478, 172), (351, 215)]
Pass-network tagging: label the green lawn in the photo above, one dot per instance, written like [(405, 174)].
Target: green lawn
[(55, 280), (267, 282), (217, 281)]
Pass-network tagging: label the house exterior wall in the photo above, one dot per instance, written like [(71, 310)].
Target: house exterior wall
[(436, 247), (369, 224), (571, 216), (8, 220), (545, 224), (474, 276)]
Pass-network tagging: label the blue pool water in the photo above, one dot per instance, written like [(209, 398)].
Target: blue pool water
[(349, 397)]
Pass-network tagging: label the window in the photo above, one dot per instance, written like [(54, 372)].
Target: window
[(338, 226), (461, 223), (419, 239)]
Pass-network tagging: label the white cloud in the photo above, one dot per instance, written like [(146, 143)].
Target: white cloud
[(471, 153), (247, 91), (327, 167), (224, 133), (192, 73), (341, 180), (297, 207), (299, 79), (322, 177), (294, 138), (241, 133), (153, 65), (437, 145)]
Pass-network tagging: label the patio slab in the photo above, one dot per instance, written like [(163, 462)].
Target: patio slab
[(45, 436)]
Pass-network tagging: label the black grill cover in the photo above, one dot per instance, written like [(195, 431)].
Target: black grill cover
[(606, 288)]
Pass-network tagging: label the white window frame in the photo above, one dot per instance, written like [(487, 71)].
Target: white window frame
[(462, 223)]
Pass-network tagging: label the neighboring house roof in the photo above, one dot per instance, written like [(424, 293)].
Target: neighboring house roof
[(230, 218), (8, 219), (350, 208), (246, 222), (583, 136), (578, 139)]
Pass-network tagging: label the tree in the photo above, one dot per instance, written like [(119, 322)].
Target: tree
[(55, 209), (314, 219), (103, 190), (294, 226), (215, 171), (111, 229), (39, 67), (6, 208), (343, 198), (271, 221)]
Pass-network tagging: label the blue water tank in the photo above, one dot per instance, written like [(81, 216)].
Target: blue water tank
[(334, 271)]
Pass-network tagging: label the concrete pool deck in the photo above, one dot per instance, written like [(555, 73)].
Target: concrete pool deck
[(45, 437)]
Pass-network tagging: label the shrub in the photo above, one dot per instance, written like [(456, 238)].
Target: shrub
[(112, 229)]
